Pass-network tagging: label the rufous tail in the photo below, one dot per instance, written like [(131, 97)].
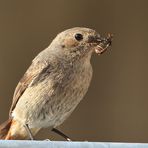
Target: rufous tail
[(14, 130), (4, 128)]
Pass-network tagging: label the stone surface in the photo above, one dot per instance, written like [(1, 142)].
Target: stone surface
[(63, 144)]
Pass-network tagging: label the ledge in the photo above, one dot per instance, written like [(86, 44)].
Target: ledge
[(63, 144)]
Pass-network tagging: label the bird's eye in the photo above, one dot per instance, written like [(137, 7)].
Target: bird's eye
[(78, 37)]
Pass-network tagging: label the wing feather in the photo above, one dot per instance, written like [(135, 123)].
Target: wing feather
[(33, 73)]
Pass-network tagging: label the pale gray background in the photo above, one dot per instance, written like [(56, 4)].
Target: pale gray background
[(116, 105)]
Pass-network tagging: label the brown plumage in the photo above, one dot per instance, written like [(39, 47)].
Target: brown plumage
[(54, 84), (4, 128)]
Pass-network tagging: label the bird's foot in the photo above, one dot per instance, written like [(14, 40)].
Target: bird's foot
[(61, 134)]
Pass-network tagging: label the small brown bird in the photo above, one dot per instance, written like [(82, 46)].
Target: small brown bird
[(54, 84)]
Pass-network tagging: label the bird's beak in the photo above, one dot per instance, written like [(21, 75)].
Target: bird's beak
[(103, 43)]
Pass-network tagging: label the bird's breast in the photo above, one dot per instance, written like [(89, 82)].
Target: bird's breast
[(71, 90), (52, 100)]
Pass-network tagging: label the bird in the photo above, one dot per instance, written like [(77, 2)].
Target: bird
[(54, 84)]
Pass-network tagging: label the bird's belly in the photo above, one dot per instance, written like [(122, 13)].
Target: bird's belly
[(49, 106), (56, 110)]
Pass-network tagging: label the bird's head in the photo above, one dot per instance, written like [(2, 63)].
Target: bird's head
[(80, 42)]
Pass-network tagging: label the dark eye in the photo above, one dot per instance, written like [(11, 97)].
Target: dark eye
[(78, 37)]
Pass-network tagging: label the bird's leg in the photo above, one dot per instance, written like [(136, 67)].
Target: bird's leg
[(28, 131), (61, 134)]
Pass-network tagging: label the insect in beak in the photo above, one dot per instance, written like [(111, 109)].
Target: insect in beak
[(103, 43)]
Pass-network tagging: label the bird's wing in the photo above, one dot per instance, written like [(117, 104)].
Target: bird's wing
[(30, 77)]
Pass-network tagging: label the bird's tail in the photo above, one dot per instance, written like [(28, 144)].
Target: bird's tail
[(4, 128), (14, 130)]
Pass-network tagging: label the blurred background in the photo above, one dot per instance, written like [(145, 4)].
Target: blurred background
[(116, 105)]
